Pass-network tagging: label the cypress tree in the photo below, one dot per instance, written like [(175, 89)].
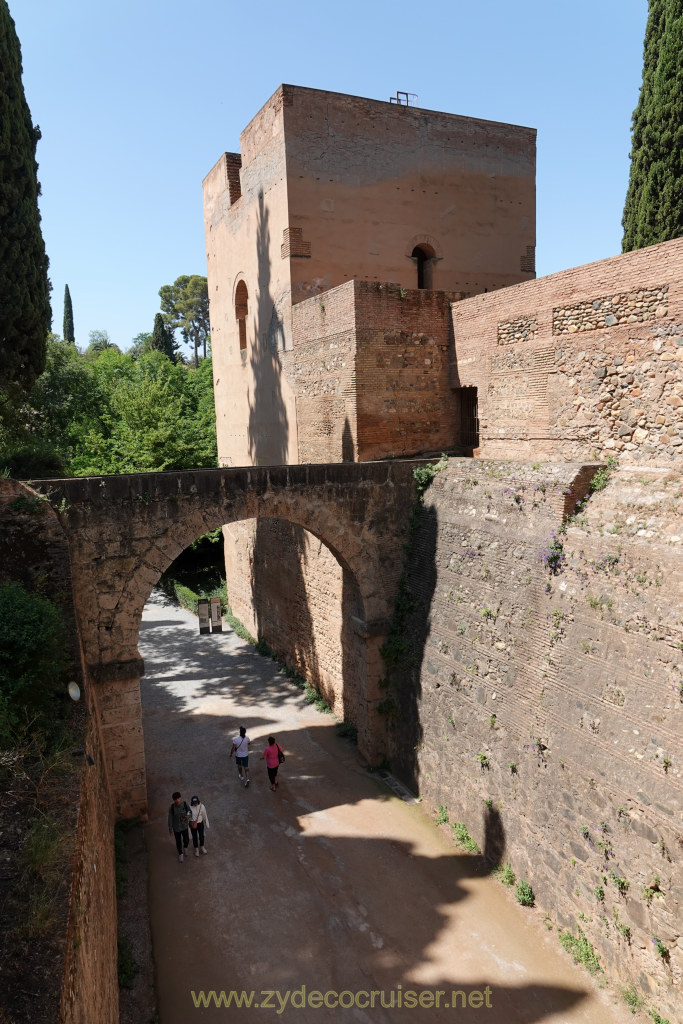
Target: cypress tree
[(25, 314), (653, 211), (162, 338), (68, 332)]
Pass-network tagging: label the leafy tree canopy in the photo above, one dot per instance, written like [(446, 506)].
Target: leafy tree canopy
[(185, 305), (99, 341)]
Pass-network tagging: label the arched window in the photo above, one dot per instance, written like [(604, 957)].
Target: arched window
[(424, 258), (241, 311)]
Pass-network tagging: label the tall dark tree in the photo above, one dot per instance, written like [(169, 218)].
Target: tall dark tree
[(68, 332), (162, 338), (185, 304), (653, 211), (25, 314)]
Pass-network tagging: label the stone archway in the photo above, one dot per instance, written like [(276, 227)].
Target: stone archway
[(123, 532)]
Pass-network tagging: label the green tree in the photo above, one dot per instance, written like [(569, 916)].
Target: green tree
[(162, 338), (68, 331), (99, 341), (153, 415), (25, 313), (141, 343), (653, 211), (185, 305), (42, 437)]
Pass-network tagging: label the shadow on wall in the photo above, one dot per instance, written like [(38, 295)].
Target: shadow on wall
[(281, 610), (412, 629), (405, 731), (348, 453)]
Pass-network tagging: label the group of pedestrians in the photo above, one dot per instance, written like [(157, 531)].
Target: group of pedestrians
[(272, 755), (184, 821)]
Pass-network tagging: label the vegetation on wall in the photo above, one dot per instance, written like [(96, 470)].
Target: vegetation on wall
[(653, 211)]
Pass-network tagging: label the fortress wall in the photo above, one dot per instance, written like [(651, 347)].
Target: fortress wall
[(321, 370), (34, 552), (90, 988), (590, 359), (370, 370), (405, 402), (369, 180), (557, 696)]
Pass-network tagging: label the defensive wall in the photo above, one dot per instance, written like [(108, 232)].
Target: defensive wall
[(379, 370), (590, 359), (539, 695), (577, 685), (328, 188)]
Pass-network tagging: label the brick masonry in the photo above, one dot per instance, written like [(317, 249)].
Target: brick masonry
[(568, 684), (591, 361)]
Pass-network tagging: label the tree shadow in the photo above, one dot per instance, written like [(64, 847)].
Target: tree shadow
[(282, 551)]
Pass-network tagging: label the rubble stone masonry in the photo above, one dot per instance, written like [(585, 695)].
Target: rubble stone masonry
[(589, 360), (542, 700)]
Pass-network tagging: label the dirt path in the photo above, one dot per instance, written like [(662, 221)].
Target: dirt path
[(332, 885)]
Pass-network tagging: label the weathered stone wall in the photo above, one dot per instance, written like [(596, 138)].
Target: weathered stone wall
[(34, 551), (90, 987), (123, 532), (548, 679), (321, 370), (370, 370), (405, 401), (587, 360)]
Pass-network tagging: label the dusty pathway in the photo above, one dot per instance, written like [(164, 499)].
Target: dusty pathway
[(332, 885)]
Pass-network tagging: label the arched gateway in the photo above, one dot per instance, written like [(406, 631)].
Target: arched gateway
[(124, 531)]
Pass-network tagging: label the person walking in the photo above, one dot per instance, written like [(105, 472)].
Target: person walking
[(199, 820), (272, 755), (240, 748), (179, 815)]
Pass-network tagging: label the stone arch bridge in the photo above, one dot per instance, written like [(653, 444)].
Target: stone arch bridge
[(124, 531)]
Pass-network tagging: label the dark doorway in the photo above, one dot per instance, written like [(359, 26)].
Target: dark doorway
[(469, 417)]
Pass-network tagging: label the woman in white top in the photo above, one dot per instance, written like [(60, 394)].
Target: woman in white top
[(198, 822)]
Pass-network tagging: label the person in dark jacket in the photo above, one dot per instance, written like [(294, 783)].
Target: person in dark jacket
[(179, 815)]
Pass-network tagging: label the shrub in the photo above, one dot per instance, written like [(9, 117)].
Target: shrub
[(506, 875), (33, 659), (581, 950), (442, 816), (524, 894), (463, 838)]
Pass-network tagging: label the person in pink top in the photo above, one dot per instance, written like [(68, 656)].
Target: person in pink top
[(272, 756)]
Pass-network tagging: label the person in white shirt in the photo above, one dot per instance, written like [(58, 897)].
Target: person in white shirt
[(240, 748), (199, 820)]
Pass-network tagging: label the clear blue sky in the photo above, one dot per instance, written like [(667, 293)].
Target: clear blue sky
[(137, 99)]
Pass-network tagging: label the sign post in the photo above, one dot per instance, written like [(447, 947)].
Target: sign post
[(203, 613), (216, 621)]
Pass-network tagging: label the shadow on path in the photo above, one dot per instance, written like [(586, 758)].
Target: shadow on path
[(332, 884)]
